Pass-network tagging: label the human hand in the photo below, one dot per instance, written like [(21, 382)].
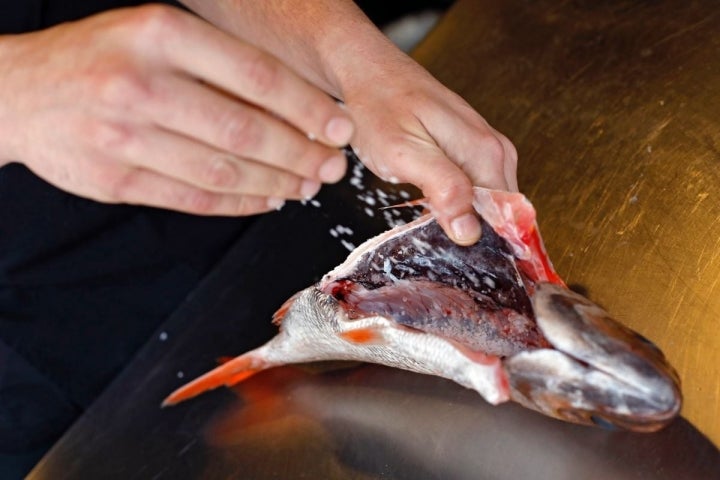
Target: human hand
[(410, 128), (153, 106)]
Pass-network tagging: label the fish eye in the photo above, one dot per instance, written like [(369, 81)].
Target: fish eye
[(603, 423)]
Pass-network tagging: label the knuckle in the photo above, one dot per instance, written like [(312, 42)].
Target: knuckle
[(111, 137), (154, 22), (261, 72), (493, 149), (452, 191), (117, 183), (198, 201), (241, 132), (221, 173), (120, 86)]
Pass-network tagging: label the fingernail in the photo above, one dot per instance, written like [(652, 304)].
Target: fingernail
[(333, 169), (465, 229), (339, 130), (309, 189), (275, 203)]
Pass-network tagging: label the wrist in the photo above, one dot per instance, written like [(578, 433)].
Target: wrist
[(331, 43), (7, 135)]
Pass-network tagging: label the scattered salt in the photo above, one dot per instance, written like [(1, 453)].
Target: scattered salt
[(163, 336), (180, 374), (349, 245)]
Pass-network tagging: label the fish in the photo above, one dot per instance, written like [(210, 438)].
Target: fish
[(494, 317)]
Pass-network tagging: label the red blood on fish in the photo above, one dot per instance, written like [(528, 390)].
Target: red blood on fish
[(476, 295)]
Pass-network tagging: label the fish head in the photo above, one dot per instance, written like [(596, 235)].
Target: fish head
[(598, 372)]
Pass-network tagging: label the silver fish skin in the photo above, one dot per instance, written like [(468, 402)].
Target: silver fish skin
[(315, 327)]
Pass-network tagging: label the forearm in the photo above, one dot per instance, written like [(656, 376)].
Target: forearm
[(330, 42)]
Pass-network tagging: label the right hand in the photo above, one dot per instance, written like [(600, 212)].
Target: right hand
[(153, 106)]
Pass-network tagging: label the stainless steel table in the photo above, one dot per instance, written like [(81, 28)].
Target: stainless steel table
[(613, 108)]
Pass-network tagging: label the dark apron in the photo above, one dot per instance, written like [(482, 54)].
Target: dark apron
[(82, 284)]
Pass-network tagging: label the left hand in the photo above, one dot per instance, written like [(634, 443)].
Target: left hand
[(410, 128)]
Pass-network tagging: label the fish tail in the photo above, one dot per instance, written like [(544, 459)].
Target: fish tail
[(228, 374)]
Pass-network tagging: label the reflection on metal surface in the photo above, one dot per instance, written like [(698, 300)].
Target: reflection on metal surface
[(614, 109), (352, 423)]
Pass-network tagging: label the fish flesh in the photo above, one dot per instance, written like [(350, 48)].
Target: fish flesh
[(494, 317)]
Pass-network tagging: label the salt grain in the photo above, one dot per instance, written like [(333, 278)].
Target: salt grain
[(349, 245)]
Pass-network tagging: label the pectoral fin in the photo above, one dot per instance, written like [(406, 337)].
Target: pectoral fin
[(363, 336)]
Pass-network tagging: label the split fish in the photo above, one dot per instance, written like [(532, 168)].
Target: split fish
[(494, 317)]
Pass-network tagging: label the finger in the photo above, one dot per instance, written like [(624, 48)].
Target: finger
[(511, 161), (204, 167), (138, 186), (191, 108), (476, 147), (449, 192), (257, 77)]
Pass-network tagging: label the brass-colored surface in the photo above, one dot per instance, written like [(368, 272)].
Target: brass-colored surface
[(614, 109)]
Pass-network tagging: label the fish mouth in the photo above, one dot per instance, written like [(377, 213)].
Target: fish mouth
[(599, 372)]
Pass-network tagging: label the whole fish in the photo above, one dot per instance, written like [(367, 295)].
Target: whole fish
[(494, 317)]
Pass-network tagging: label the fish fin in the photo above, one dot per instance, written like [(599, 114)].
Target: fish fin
[(419, 202), (228, 374), (363, 336), (500, 380), (282, 311), (475, 355)]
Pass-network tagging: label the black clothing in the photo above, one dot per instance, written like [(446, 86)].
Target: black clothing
[(29, 15), (82, 284)]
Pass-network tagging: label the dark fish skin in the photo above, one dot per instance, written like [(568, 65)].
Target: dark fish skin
[(475, 295)]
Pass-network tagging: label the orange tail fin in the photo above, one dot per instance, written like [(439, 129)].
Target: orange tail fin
[(232, 372)]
